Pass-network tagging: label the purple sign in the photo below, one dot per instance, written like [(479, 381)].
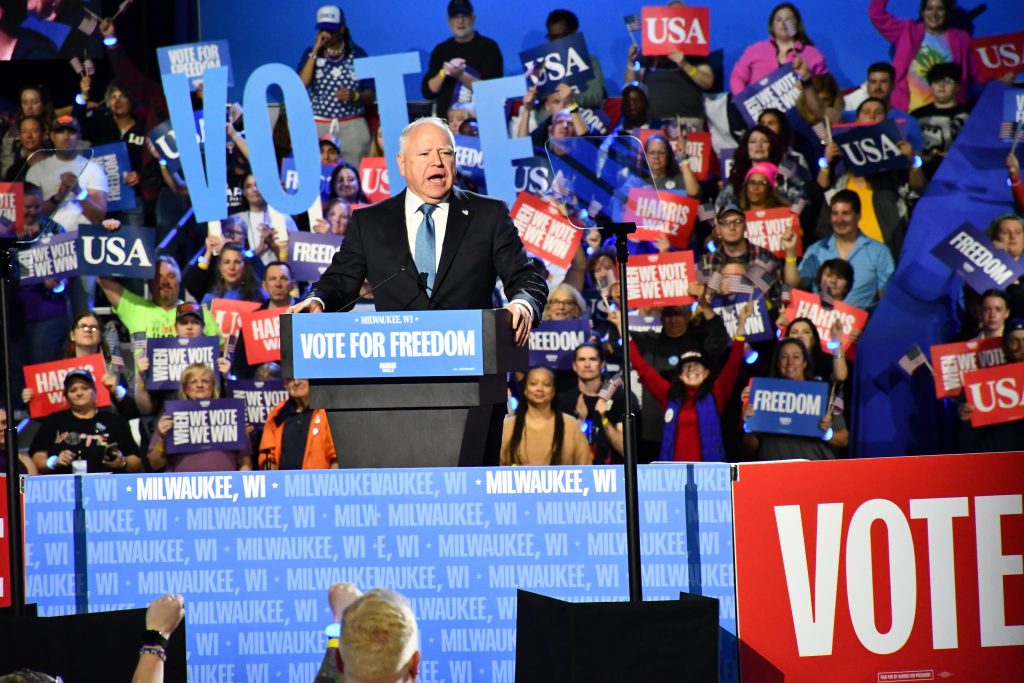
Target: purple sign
[(552, 344), (169, 356), (309, 254), (213, 425), (973, 256), (259, 396), (113, 159), (759, 325), (51, 257), (469, 160), (644, 323), (872, 149), (725, 157), (778, 90)]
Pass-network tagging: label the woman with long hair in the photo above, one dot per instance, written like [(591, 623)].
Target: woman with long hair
[(235, 277), (537, 434), (345, 184), (787, 42)]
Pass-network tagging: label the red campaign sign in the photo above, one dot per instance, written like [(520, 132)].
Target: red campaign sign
[(698, 149), (996, 394), (660, 279), (373, 178), (228, 314), (806, 305), (262, 333), (686, 29), (12, 209), (999, 55), (951, 361), (5, 551), (766, 227), (881, 569), (661, 213), (47, 381), (544, 230)]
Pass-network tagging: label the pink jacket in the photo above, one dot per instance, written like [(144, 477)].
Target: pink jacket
[(761, 58), (906, 36)]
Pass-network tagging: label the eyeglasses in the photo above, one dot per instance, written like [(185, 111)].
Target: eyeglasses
[(87, 328), (734, 223)]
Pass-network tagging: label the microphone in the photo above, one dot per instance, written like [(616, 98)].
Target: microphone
[(373, 288)]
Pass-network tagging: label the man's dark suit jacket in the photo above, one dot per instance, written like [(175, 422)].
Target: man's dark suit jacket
[(481, 244)]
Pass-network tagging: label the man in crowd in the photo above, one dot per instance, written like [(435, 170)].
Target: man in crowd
[(460, 61), (881, 77), (278, 284), (731, 242), (74, 188), (562, 23), (941, 120), (872, 263)]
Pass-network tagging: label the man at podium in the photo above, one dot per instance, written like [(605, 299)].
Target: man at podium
[(432, 246)]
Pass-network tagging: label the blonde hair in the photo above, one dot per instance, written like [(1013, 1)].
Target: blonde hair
[(570, 292), (192, 371), (379, 635)]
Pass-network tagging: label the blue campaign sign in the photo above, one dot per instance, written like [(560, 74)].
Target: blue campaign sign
[(193, 59), (129, 251), (553, 342), (872, 149), (166, 144), (759, 325), (469, 160), (1013, 106), (169, 356), (51, 257), (113, 159), (565, 60), (778, 90), (290, 177), (396, 344), (785, 406), (644, 323), (259, 396), (309, 254), (970, 253), (255, 552), (216, 424)]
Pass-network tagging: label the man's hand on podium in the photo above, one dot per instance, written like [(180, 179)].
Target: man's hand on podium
[(307, 306), (522, 321)]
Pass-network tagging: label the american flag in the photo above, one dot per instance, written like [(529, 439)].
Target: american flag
[(88, 25), (139, 344), (714, 283), (821, 131), (799, 205), (760, 277), (1006, 129), (838, 405), (609, 388), (229, 346), (786, 295), (827, 300), (113, 340), (790, 27), (76, 64), (90, 68), (912, 360), (787, 169), (706, 213), (632, 22), (737, 285)]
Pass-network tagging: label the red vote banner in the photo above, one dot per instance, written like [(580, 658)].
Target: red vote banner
[(951, 361), (262, 333), (373, 178), (666, 29), (661, 213), (660, 279), (996, 394), (544, 230), (807, 305), (766, 227), (12, 209), (698, 152), (881, 569), (228, 314), (47, 381), (998, 55)]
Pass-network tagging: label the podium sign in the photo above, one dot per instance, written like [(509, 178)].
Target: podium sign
[(394, 344)]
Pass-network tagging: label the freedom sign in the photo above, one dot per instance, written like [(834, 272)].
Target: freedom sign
[(786, 406), (970, 253), (169, 356), (373, 178), (871, 149), (259, 396), (114, 161), (193, 60), (666, 29), (50, 257), (565, 60), (951, 361), (999, 55), (130, 251), (12, 209), (996, 394), (309, 253), (765, 228), (47, 381), (228, 313), (758, 326), (401, 344), (660, 279), (778, 90), (806, 305), (290, 177), (658, 213), (880, 569), (545, 232), (469, 160), (210, 425), (553, 343), (262, 333)]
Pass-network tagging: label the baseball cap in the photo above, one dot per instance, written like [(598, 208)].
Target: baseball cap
[(457, 7), (329, 18), (78, 375), (1014, 325), (331, 140), (189, 308), (634, 85), (693, 357), (66, 122), (731, 208)]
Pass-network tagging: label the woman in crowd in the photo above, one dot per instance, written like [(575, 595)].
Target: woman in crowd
[(297, 437), (197, 384), (823, 366), (32, 133), (675, 84), (102, 439), (345, 184), (918, 45), (336, 218), (791, 361), (666, 171), (537, 434), (758, 144), (258, 219), (32, 101), (787, 42), (758, 193), (564, 303), (1005, 436), (1007, 233), (778, 123), (232, 277)]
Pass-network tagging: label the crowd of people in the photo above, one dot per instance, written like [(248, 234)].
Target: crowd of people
[(694, 362)]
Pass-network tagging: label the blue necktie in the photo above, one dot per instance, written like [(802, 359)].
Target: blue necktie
[(425, 250)]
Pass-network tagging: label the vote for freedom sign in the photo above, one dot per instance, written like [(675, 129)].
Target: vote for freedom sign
[(786, 406), (169, 356), (309, 254), (552, 343), (544, 231), (666, 29), (113, 159), (660, 279), (47, 381), (972, 255), (951, 361), (194, 59), (215, 424), (658, 213)]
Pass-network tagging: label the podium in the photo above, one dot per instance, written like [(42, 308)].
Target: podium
[(406, 388)]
